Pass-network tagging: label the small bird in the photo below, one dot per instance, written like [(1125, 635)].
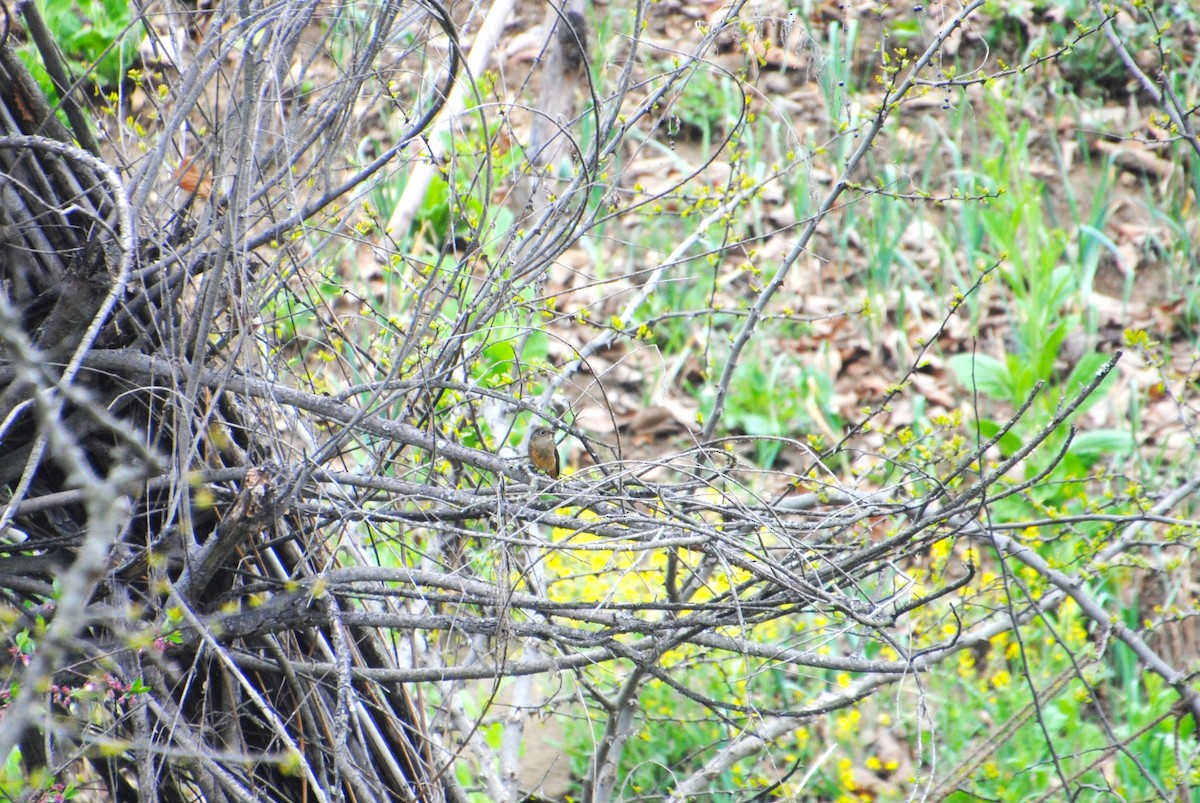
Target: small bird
[(543, 451)]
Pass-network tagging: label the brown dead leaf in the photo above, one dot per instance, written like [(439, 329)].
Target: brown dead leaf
[(192, 179), (1135, 157), (936, 390)]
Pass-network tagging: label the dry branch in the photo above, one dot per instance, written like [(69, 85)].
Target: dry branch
[(308, 567)]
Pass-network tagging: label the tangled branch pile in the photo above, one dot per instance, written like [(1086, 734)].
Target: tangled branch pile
[(263, 538)]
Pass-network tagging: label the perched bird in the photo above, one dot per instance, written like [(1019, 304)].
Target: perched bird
[(543, 451)]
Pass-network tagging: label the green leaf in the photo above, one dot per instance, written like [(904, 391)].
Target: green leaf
[(498, 359), (984, 372), (757, 424), (1091, 446), (1045, 354), (1010, 443), (1085, 371)]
